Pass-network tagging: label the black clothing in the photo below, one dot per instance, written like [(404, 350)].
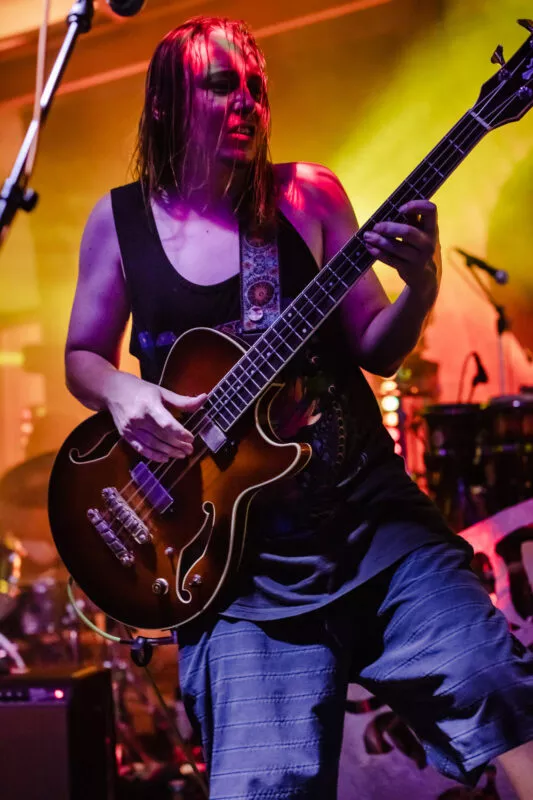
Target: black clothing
[(353, 512)]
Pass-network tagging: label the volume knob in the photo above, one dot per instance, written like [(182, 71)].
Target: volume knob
[(160, 586)]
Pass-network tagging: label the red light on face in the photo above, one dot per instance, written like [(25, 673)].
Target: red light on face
[(59, 694)]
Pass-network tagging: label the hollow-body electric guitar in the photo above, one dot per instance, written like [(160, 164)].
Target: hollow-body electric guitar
[(152, 544)]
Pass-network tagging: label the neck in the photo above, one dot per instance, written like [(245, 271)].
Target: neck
[(220, 191)]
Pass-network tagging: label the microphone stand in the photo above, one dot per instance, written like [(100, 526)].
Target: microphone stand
[(15, 193), (502, 325)]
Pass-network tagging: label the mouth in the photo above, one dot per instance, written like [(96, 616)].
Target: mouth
[(244, 130)]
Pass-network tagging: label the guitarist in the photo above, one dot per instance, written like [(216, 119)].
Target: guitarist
[(349, 571)]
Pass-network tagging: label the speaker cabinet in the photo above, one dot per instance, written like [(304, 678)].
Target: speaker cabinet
[(57, 736)]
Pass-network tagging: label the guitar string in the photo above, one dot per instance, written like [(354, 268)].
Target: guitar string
[(347, 266), (308, 299), (471, 117)]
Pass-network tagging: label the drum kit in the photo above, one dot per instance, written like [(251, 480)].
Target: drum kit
[(479, 457)]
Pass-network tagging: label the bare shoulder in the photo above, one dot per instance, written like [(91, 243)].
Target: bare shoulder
[(99, 232), (101, 306), (312, 187)]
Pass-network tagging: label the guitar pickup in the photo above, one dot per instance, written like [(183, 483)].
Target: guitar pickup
[(152, 490), (127, 517), (125, 556)]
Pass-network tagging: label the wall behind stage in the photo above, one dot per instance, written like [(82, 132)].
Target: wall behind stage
[(366, 87), (484, 208)]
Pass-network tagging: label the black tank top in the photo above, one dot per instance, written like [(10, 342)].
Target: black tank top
[(301, 534), (334, 396)]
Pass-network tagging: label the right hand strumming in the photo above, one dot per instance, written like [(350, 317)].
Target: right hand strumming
[(139, 412)]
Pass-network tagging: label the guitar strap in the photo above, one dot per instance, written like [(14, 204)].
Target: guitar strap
[(260, 292), (260, 284)]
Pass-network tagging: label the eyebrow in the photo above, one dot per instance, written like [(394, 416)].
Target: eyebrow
[(230, 72)]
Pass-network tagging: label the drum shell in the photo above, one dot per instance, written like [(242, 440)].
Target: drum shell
[(452, 459), (453, 430), (508, 425), (507, 451)]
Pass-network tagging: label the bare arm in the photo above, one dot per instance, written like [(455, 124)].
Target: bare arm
[(381, 333), (99, 315)]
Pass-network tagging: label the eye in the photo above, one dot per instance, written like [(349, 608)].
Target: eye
[(223, 85), (256, 87)]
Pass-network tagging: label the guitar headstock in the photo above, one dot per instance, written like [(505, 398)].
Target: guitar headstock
[(508, 95)]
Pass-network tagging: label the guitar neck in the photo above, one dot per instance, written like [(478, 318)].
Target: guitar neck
[(242, 386)]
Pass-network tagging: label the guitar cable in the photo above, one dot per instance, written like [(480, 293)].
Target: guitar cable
[(141, 649)]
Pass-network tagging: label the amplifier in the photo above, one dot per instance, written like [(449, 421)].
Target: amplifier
[(57, 736)]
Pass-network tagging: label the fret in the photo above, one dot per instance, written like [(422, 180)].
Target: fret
[(435, 169), (343, 282), (230, 387), (326, 293), (326, 275), (249, 368), (314, 314), (222, 412), (349, 260), (273, 332), (294, 344), (290, 316), (250, 377), (272, 353), (455, 146), (227, 397), (260, 371), (229, 400), (304, 319)]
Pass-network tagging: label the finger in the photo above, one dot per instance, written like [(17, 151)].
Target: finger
[(419, 206), (405, 268), (382, 245), (164, 439), (166, 427), (398, 230), (147, 452), (422, 213), (150, 446), (181, 401), (159, 422)]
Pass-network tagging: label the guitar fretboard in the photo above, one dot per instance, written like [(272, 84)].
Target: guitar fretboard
[(275, 348)]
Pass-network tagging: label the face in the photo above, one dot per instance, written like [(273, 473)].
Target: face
[(229, 115)]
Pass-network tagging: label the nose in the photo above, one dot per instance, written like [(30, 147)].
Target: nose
[(243, 100)]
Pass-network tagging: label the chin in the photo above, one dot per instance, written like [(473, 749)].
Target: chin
[(236, 158)]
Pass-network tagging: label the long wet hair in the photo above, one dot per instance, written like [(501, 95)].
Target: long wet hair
[(162, 145)]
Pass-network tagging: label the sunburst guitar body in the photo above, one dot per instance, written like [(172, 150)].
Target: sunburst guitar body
[(152, 544)]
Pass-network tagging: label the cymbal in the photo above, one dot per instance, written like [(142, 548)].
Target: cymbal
[(26, 484)]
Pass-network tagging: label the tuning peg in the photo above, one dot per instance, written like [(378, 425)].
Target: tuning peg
[(527, 24), (497, 56)]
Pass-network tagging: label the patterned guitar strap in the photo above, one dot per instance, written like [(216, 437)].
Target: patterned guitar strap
[(312, 407), (260, 286)]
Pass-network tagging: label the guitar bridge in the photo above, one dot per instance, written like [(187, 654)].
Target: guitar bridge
[(125, 556), (123, 512)]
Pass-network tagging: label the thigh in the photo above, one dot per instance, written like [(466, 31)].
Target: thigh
[(269, 699), (443, 657)]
